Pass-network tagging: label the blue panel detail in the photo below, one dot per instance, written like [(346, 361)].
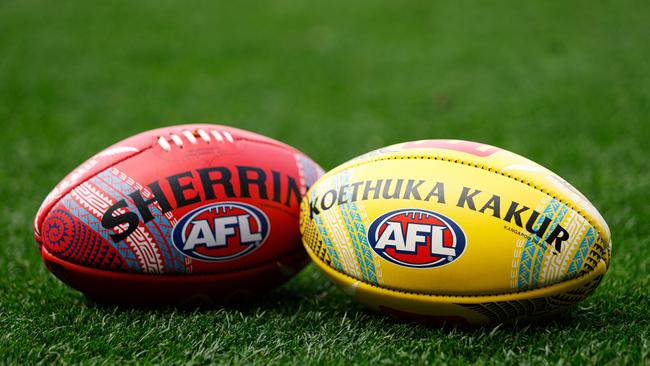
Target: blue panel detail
[(581, 253), (159, 227), (309, 170), (91, 221), (357, 233), (327, 241), (535, 248)]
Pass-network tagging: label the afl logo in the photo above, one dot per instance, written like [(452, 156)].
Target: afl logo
[(416, 238), (221, 231)]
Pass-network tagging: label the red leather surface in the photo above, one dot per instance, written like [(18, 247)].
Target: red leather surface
[(71, 225)]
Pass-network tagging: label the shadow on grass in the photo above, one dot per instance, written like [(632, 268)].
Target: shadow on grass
[(310, 293), (289, 298)]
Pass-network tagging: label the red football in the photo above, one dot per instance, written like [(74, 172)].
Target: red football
[(187, 213)]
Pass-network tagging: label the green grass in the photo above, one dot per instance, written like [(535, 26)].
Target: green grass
[(564, 83)]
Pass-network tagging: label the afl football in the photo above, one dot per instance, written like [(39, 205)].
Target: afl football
[(455, 231), (188, 213)]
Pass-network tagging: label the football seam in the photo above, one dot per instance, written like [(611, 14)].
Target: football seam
[(313, 255), (180, 275), (280, 145), (474, 165)]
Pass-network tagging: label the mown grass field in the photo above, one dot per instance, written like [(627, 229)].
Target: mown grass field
[(564, 83)]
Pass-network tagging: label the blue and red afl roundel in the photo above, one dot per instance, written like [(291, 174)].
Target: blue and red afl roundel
[(416, 238), (221, 231)]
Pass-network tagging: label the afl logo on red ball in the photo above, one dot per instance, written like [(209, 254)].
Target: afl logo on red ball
[(221, 231), (416, 238)]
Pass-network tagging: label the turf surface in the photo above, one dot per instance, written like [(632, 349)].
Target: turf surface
[(564, 83)]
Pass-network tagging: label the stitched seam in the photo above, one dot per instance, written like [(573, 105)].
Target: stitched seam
[(289, 255), (463, 162), (278, 145), (438, 295), (235, 138)]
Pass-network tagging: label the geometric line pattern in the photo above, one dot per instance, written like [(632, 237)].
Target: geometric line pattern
[(357, 233), (327, 241), (581, 253), (535, 248), (309, 172), (503, 311), (91, 221), (160, 227), (70, 239), (143, 240)]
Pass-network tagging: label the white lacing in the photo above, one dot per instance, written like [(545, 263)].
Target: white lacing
[(191, 136)]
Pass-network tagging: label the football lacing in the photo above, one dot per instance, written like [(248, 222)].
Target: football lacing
[(188, 135), (191, 136)]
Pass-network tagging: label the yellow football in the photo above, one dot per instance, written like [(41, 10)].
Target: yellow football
[(455, 231)]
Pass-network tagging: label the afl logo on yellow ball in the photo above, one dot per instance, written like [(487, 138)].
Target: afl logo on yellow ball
[(416, 238)]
